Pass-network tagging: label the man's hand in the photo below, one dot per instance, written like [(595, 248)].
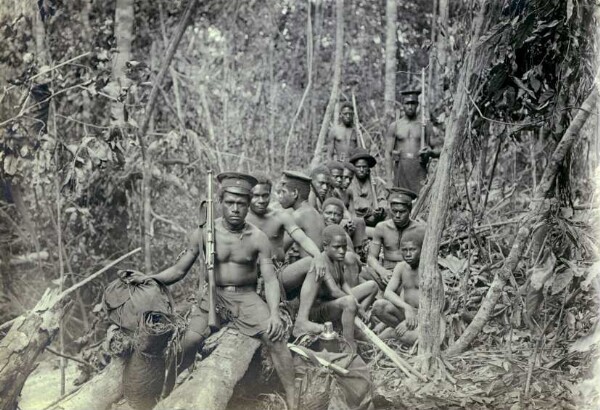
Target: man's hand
[(133, 277), (401, 329), (319, 265), (379, 212), (349, 227), (275, 329), (386, 278), (411, 318)]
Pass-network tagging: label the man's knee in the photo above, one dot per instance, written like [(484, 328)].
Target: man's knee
[(192, 339), (373, 286), (380, 307), (348, 303)]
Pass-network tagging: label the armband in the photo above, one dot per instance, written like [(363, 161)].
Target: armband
[(294, 229)]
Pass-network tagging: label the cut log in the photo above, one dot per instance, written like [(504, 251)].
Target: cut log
[(27, 338), (99, 393), (212, 382)]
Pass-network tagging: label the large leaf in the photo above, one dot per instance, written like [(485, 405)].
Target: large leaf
[(561, 281)]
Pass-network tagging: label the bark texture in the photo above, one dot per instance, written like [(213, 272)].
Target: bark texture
[(99, 393), (431, 286), (123, 35), (335, 88), (213, 380), (20, 348), (391, 15)]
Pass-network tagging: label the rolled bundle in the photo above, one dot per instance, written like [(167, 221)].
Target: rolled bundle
[(144, 372)]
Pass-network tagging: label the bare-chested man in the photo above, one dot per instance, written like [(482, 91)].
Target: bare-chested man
[(321, 187), (275, 223), (389, 234), (400, 305), (239, 248), (342, 136), (331, 299), (405, 158)]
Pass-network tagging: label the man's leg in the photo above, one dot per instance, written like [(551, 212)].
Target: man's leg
[(389, 314), (308, 293), (193, 338), (284, 365), (343, 309), (292, 276), (365, 293)]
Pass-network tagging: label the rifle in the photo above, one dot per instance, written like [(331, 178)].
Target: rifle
[(424, 158), (209, 256)]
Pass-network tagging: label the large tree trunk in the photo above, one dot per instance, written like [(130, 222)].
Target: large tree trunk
[(213, 380), (389, 95), (437, 85), (432, 290), (533, 216), (335, 87), (27, 338)]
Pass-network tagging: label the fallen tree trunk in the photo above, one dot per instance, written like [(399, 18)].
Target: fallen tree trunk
[(99, 393), (536, 211), (214, 378), (209, 387), (27, 338)]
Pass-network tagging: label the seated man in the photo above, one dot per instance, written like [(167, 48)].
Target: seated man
[(364, 290), (400, 305), (240, 248), (320, 187), (389, 233), (329, 299), (346, 194)]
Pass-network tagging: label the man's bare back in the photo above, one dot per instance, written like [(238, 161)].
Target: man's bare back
[(272, 224), (311, 222)]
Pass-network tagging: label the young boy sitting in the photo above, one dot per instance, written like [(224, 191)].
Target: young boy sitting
[(400, 305), (332, 298)]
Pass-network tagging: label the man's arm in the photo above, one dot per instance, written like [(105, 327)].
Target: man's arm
[(390, 139), (374, 249), (391, 290), (330, 144), (350, 194), (176, 272), (275, 330), (334, 289), (298, 235)]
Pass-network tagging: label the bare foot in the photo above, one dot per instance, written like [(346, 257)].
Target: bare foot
[(388, 333), (302, 327)]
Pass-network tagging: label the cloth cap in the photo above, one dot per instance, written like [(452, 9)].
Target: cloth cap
[(401, 196), (411, 96), (297, 176), (236, 182), (361, 153)]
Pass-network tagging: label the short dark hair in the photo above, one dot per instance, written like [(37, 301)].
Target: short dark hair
[(416, 235), (335, 165), (320, 170), (263, 179), (331, 232), (333, 201), (350, 167)]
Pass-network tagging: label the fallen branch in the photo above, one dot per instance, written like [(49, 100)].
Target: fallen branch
[(397, 360), (80, 284)]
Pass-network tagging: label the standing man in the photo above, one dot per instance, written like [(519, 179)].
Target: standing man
[(389, 235), (342, 136), (369, 192), (239, 248), (406, 156)]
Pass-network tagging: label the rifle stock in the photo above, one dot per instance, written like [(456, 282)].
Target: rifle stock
[(209, 256)]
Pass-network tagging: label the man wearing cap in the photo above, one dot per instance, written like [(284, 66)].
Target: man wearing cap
[(342, 136), (369, 192), (275, 223), (389, 233), (239, 248), (406, 156)]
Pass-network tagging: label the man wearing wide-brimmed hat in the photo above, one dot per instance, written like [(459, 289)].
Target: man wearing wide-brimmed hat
[(369, 192)]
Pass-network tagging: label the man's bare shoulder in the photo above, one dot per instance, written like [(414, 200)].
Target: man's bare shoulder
[(386, 225)]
